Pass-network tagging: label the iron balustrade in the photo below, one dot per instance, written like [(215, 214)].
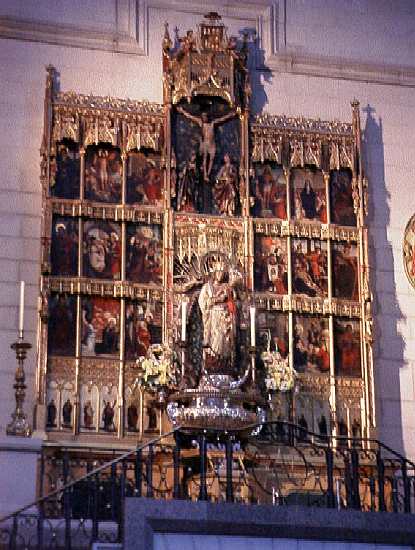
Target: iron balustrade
[(274, 463)]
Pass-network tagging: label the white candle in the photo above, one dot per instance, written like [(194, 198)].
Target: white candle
[(338, 497), (21, 310), (252, 313), (184, 308)]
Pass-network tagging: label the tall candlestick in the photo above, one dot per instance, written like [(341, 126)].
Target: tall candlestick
[(21, 310), (252, 313), (184, 308)]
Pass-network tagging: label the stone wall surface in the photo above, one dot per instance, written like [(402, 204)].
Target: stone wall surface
[(172, 541), (312, 58)]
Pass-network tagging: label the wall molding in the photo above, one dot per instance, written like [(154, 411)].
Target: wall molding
[(133, 20), (342, 69), (129, 37)]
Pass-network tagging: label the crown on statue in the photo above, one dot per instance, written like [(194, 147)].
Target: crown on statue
[(217, 264)]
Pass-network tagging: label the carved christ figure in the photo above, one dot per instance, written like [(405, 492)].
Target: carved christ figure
[(207, 144)]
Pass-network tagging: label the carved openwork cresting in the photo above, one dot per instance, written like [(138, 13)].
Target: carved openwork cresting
[(236, 242)]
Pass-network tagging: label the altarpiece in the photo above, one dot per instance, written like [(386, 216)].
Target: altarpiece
[(190, 225)]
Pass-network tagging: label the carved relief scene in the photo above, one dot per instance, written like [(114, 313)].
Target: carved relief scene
[(60, 397)]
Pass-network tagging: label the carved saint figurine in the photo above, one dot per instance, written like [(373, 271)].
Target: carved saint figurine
[(51, 410), (225, 189), (67, 413), (187, 189)]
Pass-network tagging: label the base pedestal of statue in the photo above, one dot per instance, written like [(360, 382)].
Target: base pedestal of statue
[(217, 403)]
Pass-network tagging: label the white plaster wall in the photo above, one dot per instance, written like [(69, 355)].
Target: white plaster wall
[(367, 30), (372, 36)]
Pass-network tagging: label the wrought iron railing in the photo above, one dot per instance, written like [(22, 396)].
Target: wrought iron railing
[(275, 463)]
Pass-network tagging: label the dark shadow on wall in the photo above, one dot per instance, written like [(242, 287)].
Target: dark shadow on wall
[(389, 345), (259, 73)]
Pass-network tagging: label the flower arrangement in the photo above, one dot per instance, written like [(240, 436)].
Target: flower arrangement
[(279, 376), (158, 368)]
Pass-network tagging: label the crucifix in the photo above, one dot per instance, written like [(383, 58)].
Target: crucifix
[(207, 145)]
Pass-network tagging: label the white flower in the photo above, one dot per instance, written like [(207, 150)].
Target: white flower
[(278, 374)]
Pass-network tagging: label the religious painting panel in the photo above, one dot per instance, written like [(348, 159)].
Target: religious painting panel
[(143, 327), (65, 184), (345, 271), (89, 411), (100, 327), (64, 247), (206, 138), (144, 179), (309, 261), (109, 409), (62, 325), (102, 250), (103, 174), (272, 330), (308, 191), (145, 253), (270, 267), (341, 198), (347, 357), (311, 345), (269, 191)]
